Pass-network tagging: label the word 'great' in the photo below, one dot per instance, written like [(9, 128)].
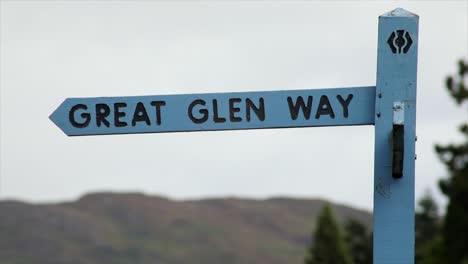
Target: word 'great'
[(199, 111)]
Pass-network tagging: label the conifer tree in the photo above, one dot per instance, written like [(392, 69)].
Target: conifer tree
[(359, 240), (328, 245), (455, 186), (427, 230)]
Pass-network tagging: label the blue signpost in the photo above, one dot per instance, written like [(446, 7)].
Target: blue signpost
[(390, 106), (218, 111), (395, 134)]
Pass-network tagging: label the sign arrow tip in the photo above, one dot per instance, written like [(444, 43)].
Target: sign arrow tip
[(55, 118)]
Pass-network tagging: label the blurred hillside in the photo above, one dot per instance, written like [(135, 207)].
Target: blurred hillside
[(135, 228)]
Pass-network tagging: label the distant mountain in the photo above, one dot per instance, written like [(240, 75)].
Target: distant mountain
[(108, 228)]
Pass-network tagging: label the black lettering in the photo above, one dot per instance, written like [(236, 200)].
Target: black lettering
[(294, 108), (216, 118), (140, 114), (157, 105), (259, 111), (345, 104), (324, 108), (85, 116), (118, 115), (233, 109), (202, 111), (102, 111)]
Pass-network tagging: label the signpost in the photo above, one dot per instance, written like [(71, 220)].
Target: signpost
[(395, 134), (390, 106)]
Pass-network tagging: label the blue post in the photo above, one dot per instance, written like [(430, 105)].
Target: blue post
[(395, 125)]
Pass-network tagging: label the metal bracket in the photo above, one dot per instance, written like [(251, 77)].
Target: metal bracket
[(398, 113), (398, 136)]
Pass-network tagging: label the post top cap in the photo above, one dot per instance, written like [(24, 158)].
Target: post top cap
[(399, 12)]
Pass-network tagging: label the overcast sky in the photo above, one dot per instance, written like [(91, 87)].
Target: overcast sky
[(53, 50)]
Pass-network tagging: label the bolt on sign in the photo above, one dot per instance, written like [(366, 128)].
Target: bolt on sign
[(390, 107)]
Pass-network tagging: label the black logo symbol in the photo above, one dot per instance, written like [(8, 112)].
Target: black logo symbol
[(400, 41)]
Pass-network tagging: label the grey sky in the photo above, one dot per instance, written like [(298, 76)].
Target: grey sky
[(54, 50)]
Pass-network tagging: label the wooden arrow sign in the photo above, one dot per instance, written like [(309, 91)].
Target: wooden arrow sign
[(216, 111)]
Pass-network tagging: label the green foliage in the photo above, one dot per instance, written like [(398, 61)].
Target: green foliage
[(455, 186), (359, 241), (427, 230), (329, 246), (456, 85)]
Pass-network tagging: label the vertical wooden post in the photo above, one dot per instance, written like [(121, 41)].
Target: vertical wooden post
[(395, 125)]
